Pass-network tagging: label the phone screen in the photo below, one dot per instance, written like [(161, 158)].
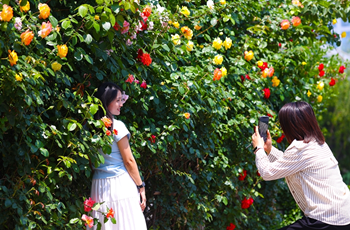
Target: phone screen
[(263, 126)]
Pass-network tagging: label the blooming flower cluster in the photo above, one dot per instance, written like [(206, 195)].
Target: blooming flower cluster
[(89, 205), (246, 203)]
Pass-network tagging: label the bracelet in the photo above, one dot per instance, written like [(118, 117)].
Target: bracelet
[(257, 148), (141, 186)]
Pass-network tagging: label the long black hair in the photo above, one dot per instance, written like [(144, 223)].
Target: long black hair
[(298, 122), (107, 92)]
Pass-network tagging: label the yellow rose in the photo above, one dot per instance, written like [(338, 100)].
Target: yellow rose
[(217, 43), (13, 58), (343, 35), (62, 50), (319, 98), (218, 60), (303, 63), (222, 2), (27, 37), (97, 17), (189, 46), (308, 93), (260, 63), (176, 25), (7, 13), (19, 77), (334, 21), (162, 83), (44, 11), (223, 71), (248, 55), (170, 22), (320, 85), (56, 66), (227, 43), (188, 33), (275, 82), (25, 8), (201, 46), (176, 39), (197, 27), (185, 11)]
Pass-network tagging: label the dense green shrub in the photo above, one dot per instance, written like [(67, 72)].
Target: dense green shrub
[(192, 166)]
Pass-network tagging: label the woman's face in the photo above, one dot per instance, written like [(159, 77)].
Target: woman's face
[(116, 104)]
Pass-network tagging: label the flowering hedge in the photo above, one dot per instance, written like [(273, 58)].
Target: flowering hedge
[(198, 76)]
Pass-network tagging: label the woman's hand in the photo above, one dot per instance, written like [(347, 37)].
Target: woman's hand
[(268, 143), (257, 140), (143, 198)]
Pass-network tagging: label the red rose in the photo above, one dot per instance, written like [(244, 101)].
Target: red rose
[(321, 74), (280, 139), (139, 55), (115, 132), (152, 139), (267, 93), (246, 77), (341, 69), (320, 67), (231, 227), (146, 59), (247, 203), (263, 66), (88, 203), (279, 44), (143, 23), (108, 133), (147, 11), (332, 82), (269, 115), (143, 84), (242, 175), (257, 173)]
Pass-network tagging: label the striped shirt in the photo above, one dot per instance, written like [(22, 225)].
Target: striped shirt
[(313, 178)]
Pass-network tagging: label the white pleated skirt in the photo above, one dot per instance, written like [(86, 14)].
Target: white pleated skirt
[(121, 194)]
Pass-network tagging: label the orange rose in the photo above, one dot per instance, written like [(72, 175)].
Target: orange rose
[(296, 21), (187, 115), (107, 121), (46, 29), (44, 11), (285, 24), (27, 37), (62, 50), (13, 58), (7, 13), (271, 71), (217, 74)]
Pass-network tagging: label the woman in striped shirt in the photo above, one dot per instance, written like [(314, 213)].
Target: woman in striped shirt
[(310, 169)]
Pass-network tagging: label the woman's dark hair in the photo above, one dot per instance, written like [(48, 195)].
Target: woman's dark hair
[(106, 92), (298, 122)]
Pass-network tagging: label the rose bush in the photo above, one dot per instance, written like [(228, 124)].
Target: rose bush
[(55, 54)]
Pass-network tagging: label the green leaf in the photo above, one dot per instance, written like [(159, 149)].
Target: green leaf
[(53, 20), (39, 144), (74, 220), (93, 109), (71, 126), (112, 19), (88, 38), (44, 152), (166, 47), (66, 24), (99, 2), (8, 202), (96, 206), (97, 27), (113, 220), (83, 10), (89, 59)]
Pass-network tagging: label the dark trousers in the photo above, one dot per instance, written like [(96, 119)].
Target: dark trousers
[(309, 223)]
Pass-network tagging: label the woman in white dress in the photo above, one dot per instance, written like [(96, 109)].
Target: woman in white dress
[(117, 182)]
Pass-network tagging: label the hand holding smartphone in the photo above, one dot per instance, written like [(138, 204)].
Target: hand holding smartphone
[(263, 126)]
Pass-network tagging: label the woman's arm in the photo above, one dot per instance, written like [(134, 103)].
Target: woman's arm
[(131, 166)]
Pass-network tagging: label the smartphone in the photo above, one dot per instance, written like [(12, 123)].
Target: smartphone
[(263, 126)]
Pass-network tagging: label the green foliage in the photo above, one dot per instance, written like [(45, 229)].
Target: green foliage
[(48, 132), (337, 134)]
